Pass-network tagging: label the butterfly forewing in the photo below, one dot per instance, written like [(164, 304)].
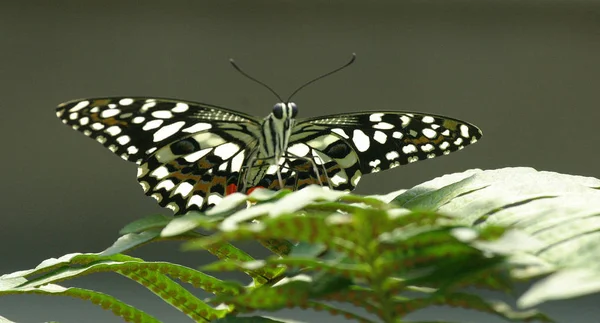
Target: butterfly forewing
[(134, 128), (364, 143)]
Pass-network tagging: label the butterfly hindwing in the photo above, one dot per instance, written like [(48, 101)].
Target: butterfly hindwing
[(134, 128), (197, 172)]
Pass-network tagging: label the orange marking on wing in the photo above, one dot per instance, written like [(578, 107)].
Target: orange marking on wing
[(95, 117)]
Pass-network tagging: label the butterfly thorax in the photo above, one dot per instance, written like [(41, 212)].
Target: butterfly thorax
[(276, 130)]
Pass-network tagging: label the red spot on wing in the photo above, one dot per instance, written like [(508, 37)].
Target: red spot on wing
[(231, 188)]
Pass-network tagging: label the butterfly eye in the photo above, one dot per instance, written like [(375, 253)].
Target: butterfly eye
[(278, 110), (294, 108)]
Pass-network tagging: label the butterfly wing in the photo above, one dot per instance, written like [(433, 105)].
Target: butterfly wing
[(350, 145), (134, 128), (188, 153)]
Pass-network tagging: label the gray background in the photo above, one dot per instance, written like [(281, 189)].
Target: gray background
[(526, 72)]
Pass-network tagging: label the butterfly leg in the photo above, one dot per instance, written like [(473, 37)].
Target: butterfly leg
[(279, 178), (315, 169)]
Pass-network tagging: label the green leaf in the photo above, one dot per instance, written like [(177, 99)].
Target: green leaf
[(251, 319), (5, 320), (146, 223), (188, 222), (119, 308), (567, 283), (130, 241)]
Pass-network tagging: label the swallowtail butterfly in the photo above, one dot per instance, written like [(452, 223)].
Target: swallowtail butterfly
[(190, 155)]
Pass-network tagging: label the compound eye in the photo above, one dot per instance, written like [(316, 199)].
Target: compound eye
[(278, 110), (294, 108)]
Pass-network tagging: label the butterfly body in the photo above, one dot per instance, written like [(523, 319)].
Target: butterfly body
[(190, 154)]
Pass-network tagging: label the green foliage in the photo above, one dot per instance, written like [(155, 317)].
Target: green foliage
[(388, 256)]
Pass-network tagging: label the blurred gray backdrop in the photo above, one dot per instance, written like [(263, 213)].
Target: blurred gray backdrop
[(526, 72)]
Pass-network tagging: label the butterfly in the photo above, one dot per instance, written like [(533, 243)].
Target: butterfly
[(190, 155)]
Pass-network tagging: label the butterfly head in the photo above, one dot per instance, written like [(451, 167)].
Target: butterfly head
[(282, 111)]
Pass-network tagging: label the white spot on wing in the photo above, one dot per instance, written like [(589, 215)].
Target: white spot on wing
[(299, 149), (184, 189), (409, 149), (197, 127), (160, 172), (83, 121), (138, 120), (113, 130), (109, 113), (149, 104), (397, 134), (132, 150), (374, 163), (226, 150), (428, 119), (339, 178), (173, 207), (152, 124), (429, 133), (168, 131), (73, 115), (180, 107), (123, 140), (444, 145), (380, 137), (142, 170), (464, 131), (355, 178), (167, 184), (375, 117), (79, 106), (236, 162), (427, 148), (195, 200), (392, 155), (145, 186), (162, 114), (196, 155), (126, 101), (214, 199), (405, 120), (360, 140), (383, 126)]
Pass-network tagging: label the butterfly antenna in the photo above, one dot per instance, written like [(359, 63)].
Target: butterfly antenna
[(322, 76), (253, 79)]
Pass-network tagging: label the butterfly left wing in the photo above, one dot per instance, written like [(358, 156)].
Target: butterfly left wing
[(135, 127), (189, 154), (347, 146)]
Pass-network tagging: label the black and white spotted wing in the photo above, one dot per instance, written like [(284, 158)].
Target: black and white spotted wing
[(350, 145), (190, 154), (187, 152)]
